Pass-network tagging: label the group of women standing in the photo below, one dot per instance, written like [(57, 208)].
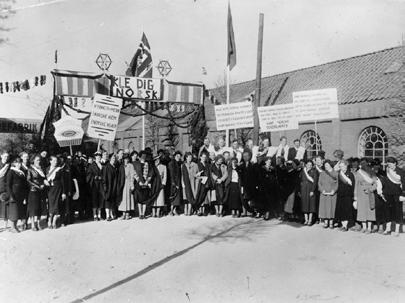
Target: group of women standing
[(345, 194)]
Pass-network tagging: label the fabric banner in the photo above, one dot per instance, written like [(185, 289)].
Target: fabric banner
[(277, 117), (80, 84), (104, 117), (233, 116), (315, 105), (183, 92)]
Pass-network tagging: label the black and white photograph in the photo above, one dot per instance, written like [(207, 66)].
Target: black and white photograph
[(202, 151)]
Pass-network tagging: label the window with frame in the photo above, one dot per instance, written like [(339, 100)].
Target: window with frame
[(373, 144), (312, 142)]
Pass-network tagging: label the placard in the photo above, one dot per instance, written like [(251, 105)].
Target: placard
[(104, 116), (314, 105), (136, 88), (277, 117), (233, 116)]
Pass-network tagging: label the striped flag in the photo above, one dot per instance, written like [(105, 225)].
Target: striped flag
[(141, 63), (183, 92)]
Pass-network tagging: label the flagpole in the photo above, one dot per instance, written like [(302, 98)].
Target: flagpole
[(256, 102), (143, 126), (227, 102)]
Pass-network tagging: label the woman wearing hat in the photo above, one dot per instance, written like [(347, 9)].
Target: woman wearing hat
[(189, 171), (219, 173), (16, 185), (160, 200), (35, 203), (110, 183), (127, 203), (143, 184), (175, 178), (94, 178), (56, 192)]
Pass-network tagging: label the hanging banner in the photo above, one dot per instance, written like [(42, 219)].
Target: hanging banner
[(233, 116), (104, 117), (136, 88), (315, 105), (277, 117)]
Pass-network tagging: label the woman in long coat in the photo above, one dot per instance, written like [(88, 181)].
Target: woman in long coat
[(160, 200), (345, 194), (365, 186), (25, 165), (395, 185), (94, 178), (176, 193), (35, 203), (189, 171), (4, 169), (110, 183), (203, 184), (309, 182), (126, 205), (16, 186), (268, 188), (233, 188), (327, 186), (56, 192), (219, 173)]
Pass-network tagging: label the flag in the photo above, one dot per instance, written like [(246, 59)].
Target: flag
[(231, 41), (141, 63)]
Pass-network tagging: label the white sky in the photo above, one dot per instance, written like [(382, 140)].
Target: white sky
[(190, 34)]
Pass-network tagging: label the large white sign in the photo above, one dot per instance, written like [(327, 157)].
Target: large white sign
[(232, 116), (277, 117), (104, 116), (313, 105), (136, 88)]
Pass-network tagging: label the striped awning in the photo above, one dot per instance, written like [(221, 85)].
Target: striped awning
[(80, 84), (183, 92)]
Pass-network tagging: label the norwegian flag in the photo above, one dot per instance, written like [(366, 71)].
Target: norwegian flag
[(141, 63)]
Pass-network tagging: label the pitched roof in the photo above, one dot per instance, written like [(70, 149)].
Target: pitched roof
[(370, 77)]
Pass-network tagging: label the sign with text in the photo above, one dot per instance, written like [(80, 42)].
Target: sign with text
[(232, 116), (104, 116), (277, 117), (136, 88), (84, 104), (313, 105)]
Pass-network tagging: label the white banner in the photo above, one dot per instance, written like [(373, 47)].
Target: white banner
[(277, 117), (136, 88), (314, 105), (80, 103), (104, 116), (232, 116)]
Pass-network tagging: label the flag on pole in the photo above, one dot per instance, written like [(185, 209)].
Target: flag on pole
[(56, 56), (231, 41), (141, 63)]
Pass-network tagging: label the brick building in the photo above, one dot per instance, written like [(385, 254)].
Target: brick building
[(370, 97)]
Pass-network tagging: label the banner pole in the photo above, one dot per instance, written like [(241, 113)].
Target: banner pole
[(316, 138), (227, 102), (71, 150), (98, 145), (143, 126), (256, 102)]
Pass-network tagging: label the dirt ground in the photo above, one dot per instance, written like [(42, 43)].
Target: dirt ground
[(200, 259)]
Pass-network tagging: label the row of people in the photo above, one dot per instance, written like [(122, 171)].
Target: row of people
[(123, 184)]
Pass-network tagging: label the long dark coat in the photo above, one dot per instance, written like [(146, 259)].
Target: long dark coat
[(176, 192), (110, 185)]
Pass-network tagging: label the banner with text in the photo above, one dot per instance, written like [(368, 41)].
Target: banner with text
[(136, 88), (314, 105), (277, 117), (232, 116), (104, 116)]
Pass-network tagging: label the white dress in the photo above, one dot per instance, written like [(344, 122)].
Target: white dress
[(127, 203), (160, 200)]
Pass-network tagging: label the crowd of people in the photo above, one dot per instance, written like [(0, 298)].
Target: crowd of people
[(260, 181)]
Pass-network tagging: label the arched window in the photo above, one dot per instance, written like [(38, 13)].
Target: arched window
[(373, 143), (312, 142)]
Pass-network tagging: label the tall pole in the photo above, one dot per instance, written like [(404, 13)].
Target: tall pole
[(143, 125), (256, 102), (227, 102)]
